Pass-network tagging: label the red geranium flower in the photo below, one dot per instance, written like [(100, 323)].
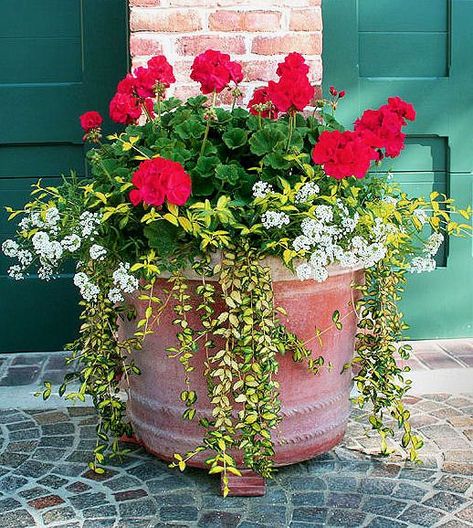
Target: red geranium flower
[(343, 154), (382, 129), (214, 71), (260, 96), (90, 120), (291, 92), (126, 85), (124, 108), (159, 179), (144, 82), (401, 108), (163, 71), (293, 63)]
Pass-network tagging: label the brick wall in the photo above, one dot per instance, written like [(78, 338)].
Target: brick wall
[(258, 33)]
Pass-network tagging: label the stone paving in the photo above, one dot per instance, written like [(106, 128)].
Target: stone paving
[(44, 480)]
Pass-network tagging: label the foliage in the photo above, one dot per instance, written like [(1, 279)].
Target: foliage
[(255, 193)]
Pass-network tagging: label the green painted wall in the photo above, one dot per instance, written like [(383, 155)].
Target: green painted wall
[(59, 58), (423, 52)]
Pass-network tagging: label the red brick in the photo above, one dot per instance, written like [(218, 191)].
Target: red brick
[(245, 21), (184, 91), (306, 19), (145, 45), (263, 70), (182, 70), (305, 43), (225, 97), (302, 3), (165, 20), (196, 44)]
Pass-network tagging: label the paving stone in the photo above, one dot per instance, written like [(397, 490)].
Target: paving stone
[(307, 482), (50, 454), (344, 500), (140, 508), (267, 514), (466, 514), (308, 499), (53, 481), (418, 514), (346, 518), (178, 498), (45, 502), (17, 519), (58, 429), (218, 519), (34, 468), (167, 485), (104, 511), (23, 446), (12, 483), (309, 515), (122, 483), (445, 501), (9, 504), (98, 523), (337, 483), (145, 471), (384, 506), (405, 490), (17, 376), (13, 460), (130, 495), (31, 493), (24, 434), (455, 524), (87, 500), (26, 424), (68, 470), (56, 441), (59, 514), (377, 486), (78, 487)]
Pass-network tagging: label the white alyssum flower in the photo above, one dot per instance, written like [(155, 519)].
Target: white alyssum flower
[(320, 273), (10, 248), (349, 223), (25, 257), (40, 240), (115, 295), (422, 264), (304, 271), (88, 223), (390, 200), (319, 258), (324, 213), (15, 272), (308, 190), (97, 252), (87, 288), (25, 223), (52, 217), (45, 272), (421, 215), (261, 189), (311, 228), (433, 243), (123, 280), (302, 243), (71, 243), (274, 219)]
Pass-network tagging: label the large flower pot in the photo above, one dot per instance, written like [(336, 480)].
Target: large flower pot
[(315, 408)]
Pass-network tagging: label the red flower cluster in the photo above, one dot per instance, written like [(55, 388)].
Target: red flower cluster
[(214, 71), (261, 97), (382, 128), (90, 120), (159, 179), (335, 93), (345, 154), (292, 92), (139, 89)]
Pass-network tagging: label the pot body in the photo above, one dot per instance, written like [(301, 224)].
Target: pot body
[(315, 408)]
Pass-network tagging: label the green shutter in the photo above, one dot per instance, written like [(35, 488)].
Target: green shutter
[(421, 51), (59, 58)]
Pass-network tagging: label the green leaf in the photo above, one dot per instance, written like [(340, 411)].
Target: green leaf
[(235, 137), (266, 140), (162, 236), (232, 173)]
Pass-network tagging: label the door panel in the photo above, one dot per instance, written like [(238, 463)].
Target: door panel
[(422, 52), (59, 58)]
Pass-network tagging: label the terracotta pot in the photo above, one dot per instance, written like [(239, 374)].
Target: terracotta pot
[(315, 408)]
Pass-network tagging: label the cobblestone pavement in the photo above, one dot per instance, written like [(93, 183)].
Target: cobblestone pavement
[(44, 481)]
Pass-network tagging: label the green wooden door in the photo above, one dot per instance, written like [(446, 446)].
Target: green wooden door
[(421, 50), (58, 59)]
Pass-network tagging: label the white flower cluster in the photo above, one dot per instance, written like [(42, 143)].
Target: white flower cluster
[(433, 243), (71, 243), (124, 282), (307, 191), (422, 264), (324, 237), (274, 219), (88, 223), (88, 289), (261, 189), (48, 221), (97, 252)]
